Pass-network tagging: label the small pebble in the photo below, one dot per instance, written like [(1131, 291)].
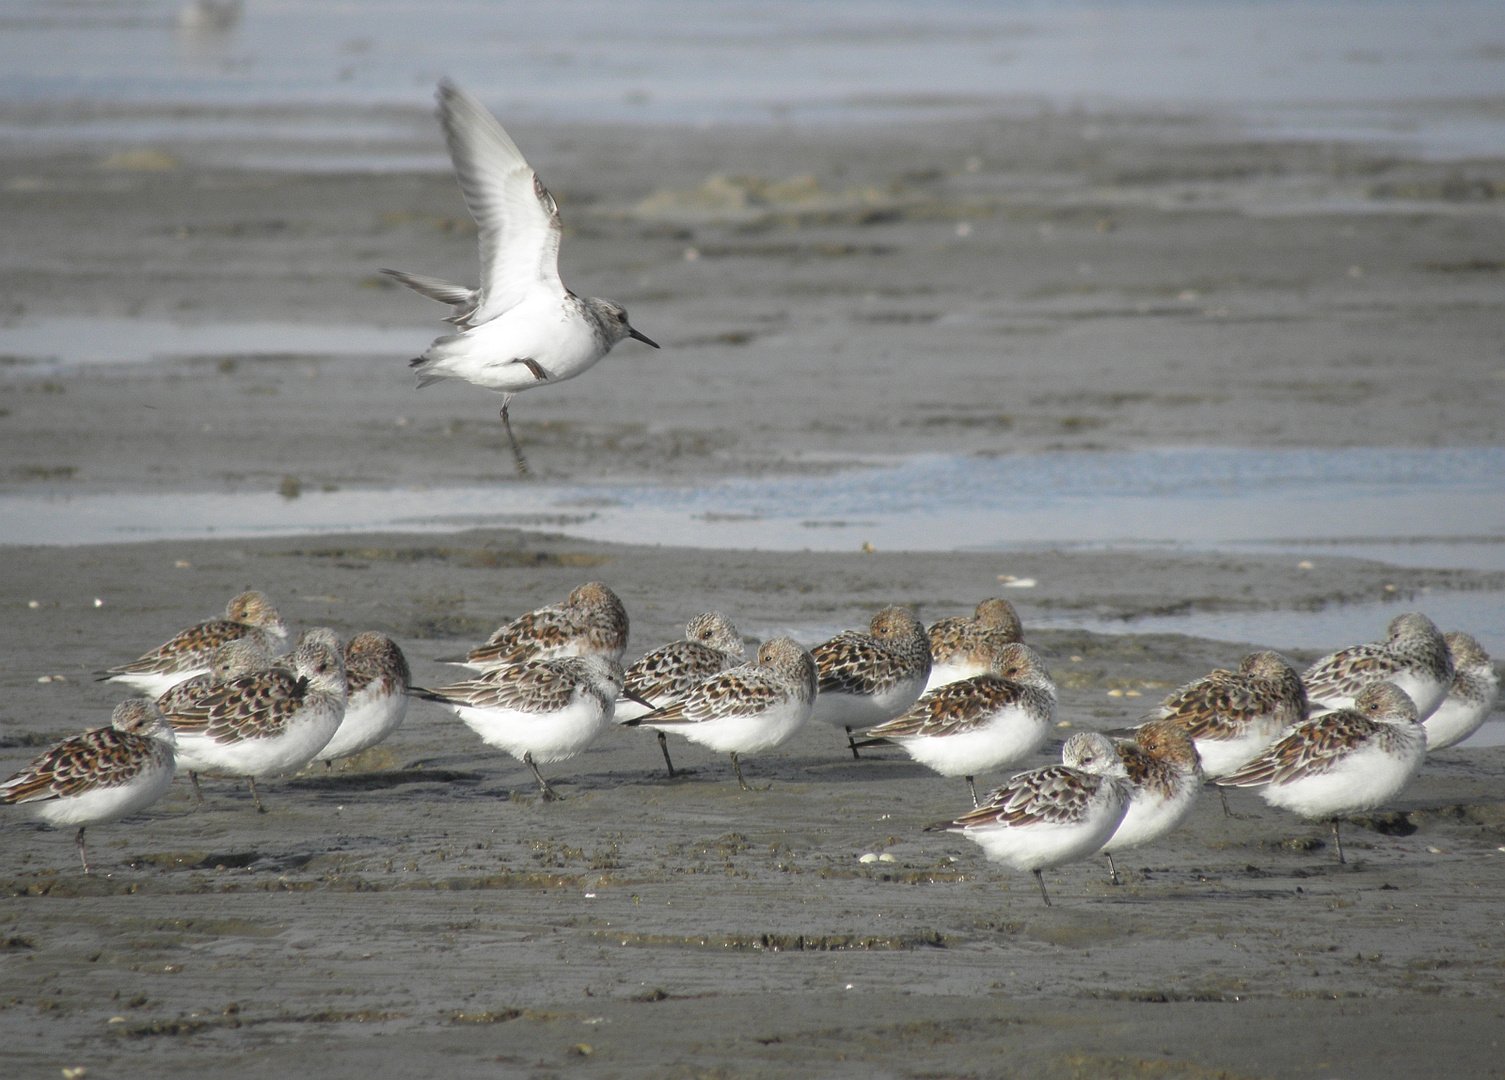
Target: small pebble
[(886, 857), (1076, 659), (1305, 564), (869, 857), (1115, 693), (1131, 693), (183, 564), (34, 604), (1063, 723), (98, 602)]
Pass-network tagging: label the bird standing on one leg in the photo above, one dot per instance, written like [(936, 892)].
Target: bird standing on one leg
[(521, 327)]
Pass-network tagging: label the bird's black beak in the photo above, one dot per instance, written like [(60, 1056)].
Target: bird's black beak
[(644, 338), (628, 694)]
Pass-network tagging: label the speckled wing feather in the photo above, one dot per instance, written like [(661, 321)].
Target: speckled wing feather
[(186, 694), (949, 635), (1345, 673), (954, 708), (525, 637), (1145, 770), (1310, 749), (357, 679), (963, 634), (851, 664), (100, 758), (544, 686), (671, 671), (1054, 795), (193, 647), (253, 706), (1217, 706), (743, 691)]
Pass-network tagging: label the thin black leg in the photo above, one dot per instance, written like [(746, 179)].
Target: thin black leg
[(1112, 870), (663, 744), (255, 798), (973, 789), (517, 451), (549, 794), (737, 765), (198, 795), (1338, 840), (78, 840), (852, 746), (1040, 881)]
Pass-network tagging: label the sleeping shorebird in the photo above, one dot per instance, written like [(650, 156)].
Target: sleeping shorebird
[(272, 721), (102, 775), (250, 615), (1164, 777), (1232, 715), (537, 711), (230, 661), (376, 696), (990, 721), (590, 622), (1414, 656), (870, 677), (747, 709), (963, 646), (710, 646), (1055, 815), (1472, 696), (521, 328), (1342, 762)]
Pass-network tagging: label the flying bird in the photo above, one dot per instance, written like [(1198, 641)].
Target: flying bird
[(521, 328)]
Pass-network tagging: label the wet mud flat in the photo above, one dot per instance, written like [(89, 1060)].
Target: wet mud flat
[(822, 295), (420, 909)]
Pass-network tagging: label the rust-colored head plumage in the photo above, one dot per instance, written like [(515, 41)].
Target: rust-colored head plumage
[(1465, 649), (896, 623), (1168, 741), (1018, 663), (999, 615), (715, 631), (256, 609)]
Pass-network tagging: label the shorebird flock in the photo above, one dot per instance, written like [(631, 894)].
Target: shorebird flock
[(1347, 735)]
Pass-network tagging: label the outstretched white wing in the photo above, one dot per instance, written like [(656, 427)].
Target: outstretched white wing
[(516, 216)]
